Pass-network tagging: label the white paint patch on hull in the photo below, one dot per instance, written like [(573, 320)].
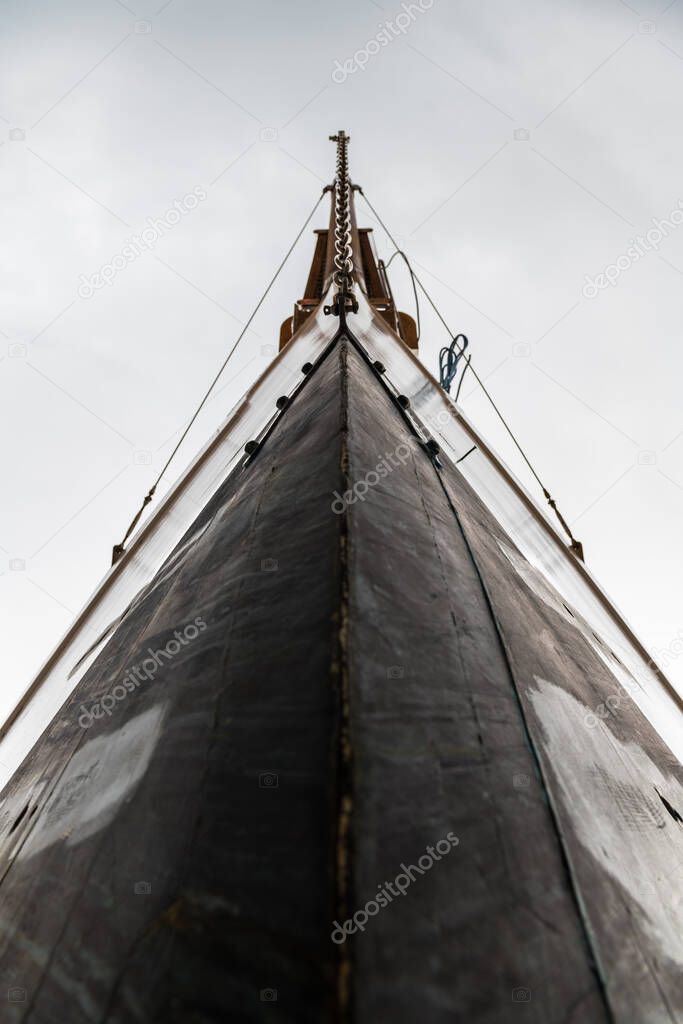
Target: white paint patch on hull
[(100, 777), (611, 790)]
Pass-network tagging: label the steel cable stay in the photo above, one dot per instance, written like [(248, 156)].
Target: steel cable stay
[(459, 351), (399, 252), (120, 548), (450, 355)]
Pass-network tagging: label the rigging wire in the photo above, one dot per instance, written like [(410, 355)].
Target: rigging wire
[(575, 544), (462, 378), (120, 548), (399, 252)]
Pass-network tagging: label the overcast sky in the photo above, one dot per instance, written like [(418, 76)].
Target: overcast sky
[(516, 150)]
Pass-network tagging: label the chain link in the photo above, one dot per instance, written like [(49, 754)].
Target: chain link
[(343, 248)]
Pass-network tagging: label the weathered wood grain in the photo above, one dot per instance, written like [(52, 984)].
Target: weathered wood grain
[(167, 792), (401, 676), (439, 745), (609, 778)]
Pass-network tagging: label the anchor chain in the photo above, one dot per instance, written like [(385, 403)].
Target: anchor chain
[(344, 298)]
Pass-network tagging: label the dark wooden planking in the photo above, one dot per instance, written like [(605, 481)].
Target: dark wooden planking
[(609, 779), (242, 878), (410, 607), (439, 745)]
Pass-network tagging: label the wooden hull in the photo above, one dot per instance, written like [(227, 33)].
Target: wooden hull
[(373, 673)]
